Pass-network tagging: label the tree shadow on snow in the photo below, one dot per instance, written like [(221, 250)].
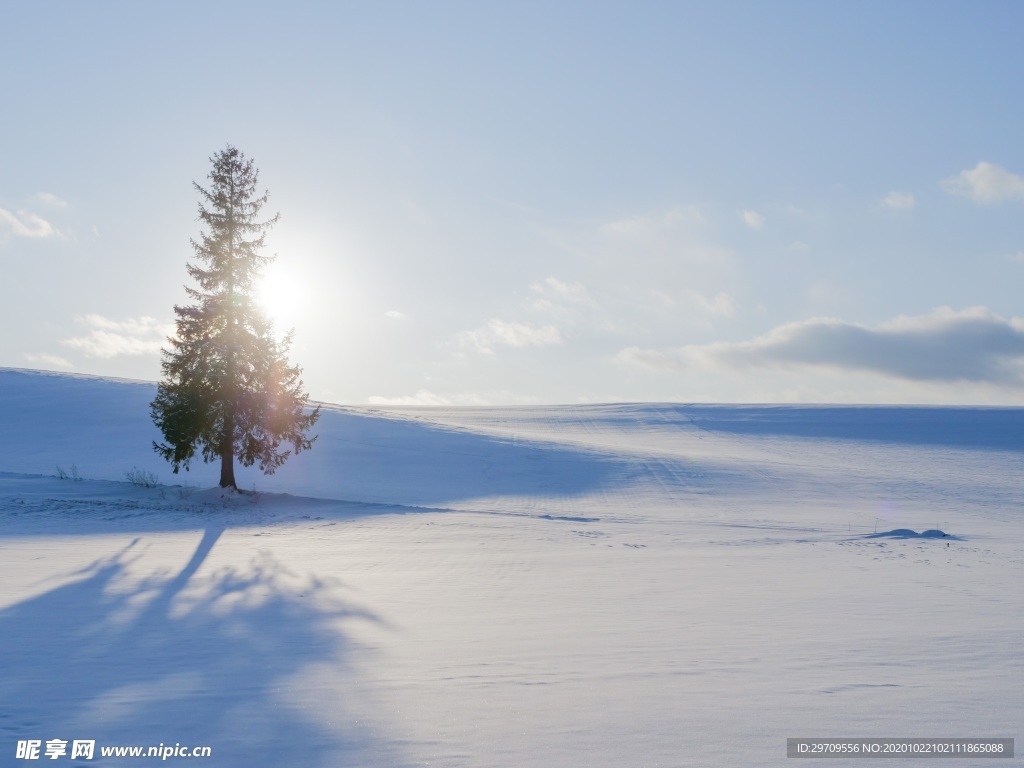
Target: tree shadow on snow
[(220, 659), (401, 461)]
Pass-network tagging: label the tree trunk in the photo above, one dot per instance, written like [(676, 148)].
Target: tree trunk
[(227, 447), (227, 468), (227, 457)]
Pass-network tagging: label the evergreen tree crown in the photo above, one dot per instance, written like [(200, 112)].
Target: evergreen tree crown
[(228, 389)]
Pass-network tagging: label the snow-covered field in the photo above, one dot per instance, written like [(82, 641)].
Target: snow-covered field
[(619, 585)]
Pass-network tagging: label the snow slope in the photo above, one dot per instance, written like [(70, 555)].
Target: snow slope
[(619, 585)]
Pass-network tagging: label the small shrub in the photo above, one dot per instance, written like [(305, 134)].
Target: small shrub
[(69, 474), (141, 478)]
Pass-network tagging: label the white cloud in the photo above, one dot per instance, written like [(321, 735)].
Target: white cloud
[(649, 223), (682, 214), (753, 219), (394, 314), (426, 397), (51, 199), (985, 183), (899, 201), (110, 338), (575, 292), (625, 226), (499, 332), (422, 397), (973, 345), (545, 305), (720, 305), (43, 358), (678, 236), (26, 224), (688, 307), (647, 245)]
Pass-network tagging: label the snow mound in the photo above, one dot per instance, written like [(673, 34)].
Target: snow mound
[(908, 533), (224, 496)]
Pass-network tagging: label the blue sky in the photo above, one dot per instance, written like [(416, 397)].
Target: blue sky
[(536, 202)]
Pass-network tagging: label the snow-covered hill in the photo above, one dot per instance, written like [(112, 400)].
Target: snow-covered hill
[(636, 584)]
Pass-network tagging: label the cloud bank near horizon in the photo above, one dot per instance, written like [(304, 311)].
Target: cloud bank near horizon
[(108, 338), (946, 346)]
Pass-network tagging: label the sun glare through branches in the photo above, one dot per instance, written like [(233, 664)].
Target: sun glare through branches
[(280, 295)]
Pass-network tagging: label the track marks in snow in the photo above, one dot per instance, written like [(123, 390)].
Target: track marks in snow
[(857, 687)]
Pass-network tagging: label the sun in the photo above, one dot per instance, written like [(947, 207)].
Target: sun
[(278, 293)]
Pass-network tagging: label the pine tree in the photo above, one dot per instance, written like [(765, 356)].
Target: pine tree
[(227, 389)]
